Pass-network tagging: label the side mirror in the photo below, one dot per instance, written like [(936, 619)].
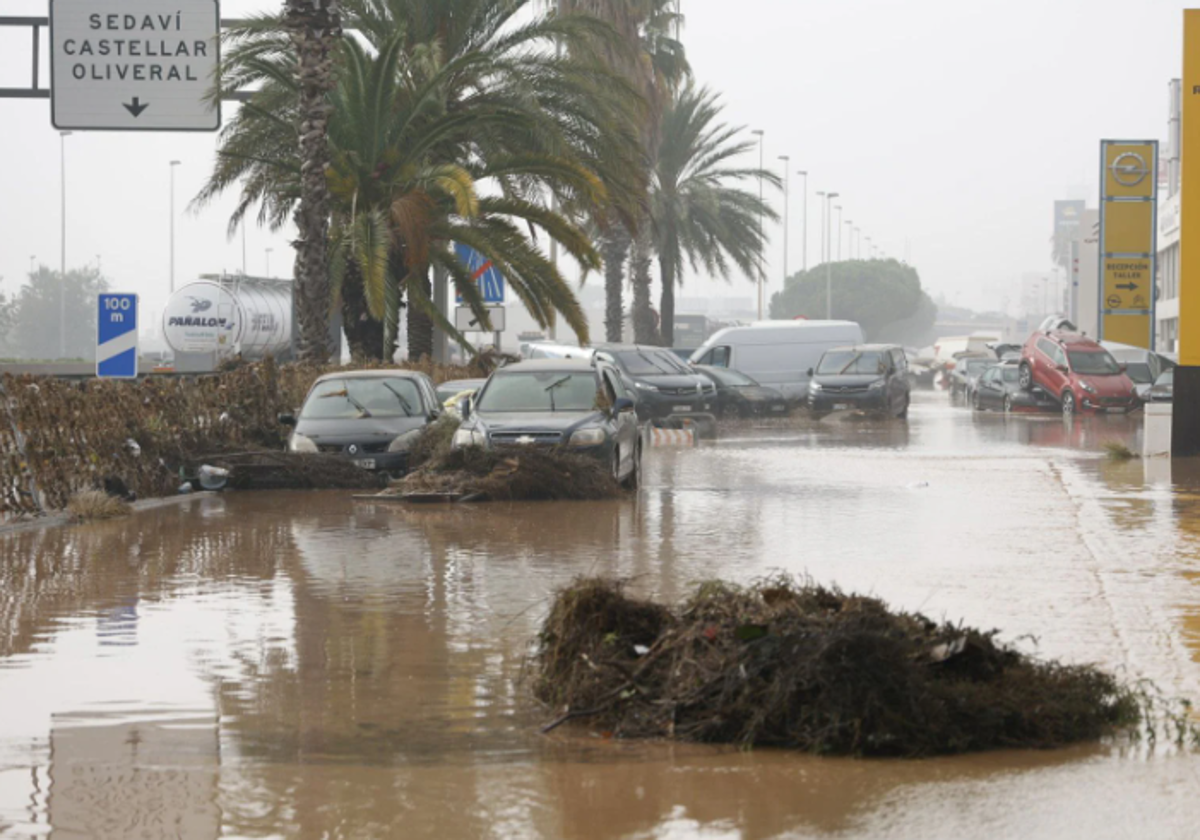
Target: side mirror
[(622, 405), (287, 419), (810, 373), (1061, 368), (464, 407)]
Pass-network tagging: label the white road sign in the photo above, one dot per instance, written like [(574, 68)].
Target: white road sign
[(134, 65)]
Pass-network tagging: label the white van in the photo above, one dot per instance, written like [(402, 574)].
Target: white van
[(777, 353)]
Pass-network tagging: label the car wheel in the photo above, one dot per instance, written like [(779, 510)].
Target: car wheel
[(1025, 376), (634, 479), (903, 415), (1007, 404), (616, 465), (976, 403), (1068, 404)]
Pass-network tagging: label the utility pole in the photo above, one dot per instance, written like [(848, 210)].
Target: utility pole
[(821, 198), (786, 191), (838, 208), (803, 173), (62, 264), (761, 243), (829, 197)]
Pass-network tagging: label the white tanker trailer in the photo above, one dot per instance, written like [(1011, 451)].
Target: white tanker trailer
[(230, 315)]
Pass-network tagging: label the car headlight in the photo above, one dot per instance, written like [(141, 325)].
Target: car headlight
[(645, 386), (877, 384), (1087, 386), (588, 437), (301, 443), (468, 437), (404, 441), (814, 386)]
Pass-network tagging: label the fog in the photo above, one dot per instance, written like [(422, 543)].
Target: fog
[(948, 129)]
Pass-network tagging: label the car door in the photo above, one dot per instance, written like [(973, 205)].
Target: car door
[(1057, 379), (989, 390), (626, 423)]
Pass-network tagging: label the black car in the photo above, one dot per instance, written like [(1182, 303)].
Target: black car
[(870, 377), (740, 396), (558, 402), (662, 385), (368, 416), (1000, 388)]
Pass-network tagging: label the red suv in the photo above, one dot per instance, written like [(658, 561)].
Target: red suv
[(1077, 372)]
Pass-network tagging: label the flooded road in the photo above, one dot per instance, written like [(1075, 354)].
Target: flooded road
[(303, 665)]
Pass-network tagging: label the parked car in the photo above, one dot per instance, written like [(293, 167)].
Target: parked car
[(738, 395), (869, 377), (1000, 388), (1077, 372), (558, 402), (1142, 366), (456, 388), (777, 354), (966, 372), (1163, 390), (662, 385), (371, 417)]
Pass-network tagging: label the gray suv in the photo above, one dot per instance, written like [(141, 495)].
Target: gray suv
[(867, 377)]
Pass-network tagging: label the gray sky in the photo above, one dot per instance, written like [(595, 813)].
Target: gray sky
[(947, 127)]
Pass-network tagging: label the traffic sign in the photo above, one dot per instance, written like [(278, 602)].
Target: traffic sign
[(465, 319), (134, 65), (117, 336), (489, 278)]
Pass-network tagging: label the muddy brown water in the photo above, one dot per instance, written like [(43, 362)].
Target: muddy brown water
[(302, 665)]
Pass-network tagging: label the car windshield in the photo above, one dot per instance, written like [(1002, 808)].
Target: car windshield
[(732, 378), (351, 398), (1139, 372), (649, 363), (840, 362), (1093, 363), (540, 391)]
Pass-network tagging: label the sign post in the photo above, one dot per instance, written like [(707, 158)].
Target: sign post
[(134, 65), (1185, 411), (1128, 231), (117, 336)]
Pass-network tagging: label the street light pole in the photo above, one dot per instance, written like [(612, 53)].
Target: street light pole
[(803, 173), (62, 286), (829, 197), (786, 191), (174, 163), (838, 208), (821, 198), (761, 248)]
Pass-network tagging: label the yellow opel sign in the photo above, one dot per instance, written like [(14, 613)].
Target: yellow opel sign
[(1128, 224)]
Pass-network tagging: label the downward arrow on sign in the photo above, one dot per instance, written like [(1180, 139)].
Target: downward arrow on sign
[(136, 107)]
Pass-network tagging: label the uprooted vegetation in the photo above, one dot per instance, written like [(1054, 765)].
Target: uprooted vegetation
[(91, 505), (510, 474), (791, 664)]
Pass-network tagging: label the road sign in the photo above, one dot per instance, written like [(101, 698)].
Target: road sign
[(490, 280), (134, 65), (466, 321), (117, 336), (1128, 228)]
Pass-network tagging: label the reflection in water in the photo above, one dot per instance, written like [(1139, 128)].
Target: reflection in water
[(304, 665)]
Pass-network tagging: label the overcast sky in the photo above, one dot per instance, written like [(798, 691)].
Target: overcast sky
[(949, 128)]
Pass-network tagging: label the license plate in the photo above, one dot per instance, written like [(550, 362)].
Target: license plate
[(841, 406), (778, 407), (366, 463), (682, 408)]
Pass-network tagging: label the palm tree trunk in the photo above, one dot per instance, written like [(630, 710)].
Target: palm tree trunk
[(363, 333), (614, 247), (666, 310), (645, 331), (315, 26), (420, 326)]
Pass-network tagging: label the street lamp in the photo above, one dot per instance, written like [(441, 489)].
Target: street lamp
[(821, 198), (856, 243), (62, 288), (269, 250), (838, 208), (829, 197), (786, 191), (849, 239), (803, 173), (174, 163), (759, 133)]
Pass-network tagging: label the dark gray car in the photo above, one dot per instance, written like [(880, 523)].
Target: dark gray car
[(370, 417), (577, 404), (661, 384), (1000, 388), (869, 377)]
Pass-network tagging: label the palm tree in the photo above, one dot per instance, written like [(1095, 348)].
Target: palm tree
[(450, 122), (700, 211), (314, 26), (655, 64)]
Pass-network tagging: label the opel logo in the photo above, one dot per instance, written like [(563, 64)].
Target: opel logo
[(1129, 169), (352, 449)]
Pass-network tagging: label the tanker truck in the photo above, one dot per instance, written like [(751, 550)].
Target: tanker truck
[(217, 317)]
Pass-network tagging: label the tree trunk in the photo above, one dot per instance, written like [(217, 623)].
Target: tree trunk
[(614, 247), (666, 310), (645, 330), (420, 326), (363, 333), (314, 27)]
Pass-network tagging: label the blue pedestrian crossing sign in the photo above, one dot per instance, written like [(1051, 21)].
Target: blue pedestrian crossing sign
[(489, 279), (117, 336)]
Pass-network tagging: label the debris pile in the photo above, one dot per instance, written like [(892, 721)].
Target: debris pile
[(508, 474), (791, 664), (91, 505), (270, 470)]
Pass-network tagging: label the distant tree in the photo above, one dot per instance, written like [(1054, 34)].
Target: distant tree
[(6, 321), (879, 294), (32, 330)]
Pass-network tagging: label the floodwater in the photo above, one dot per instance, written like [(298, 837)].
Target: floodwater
[(304, 665)]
